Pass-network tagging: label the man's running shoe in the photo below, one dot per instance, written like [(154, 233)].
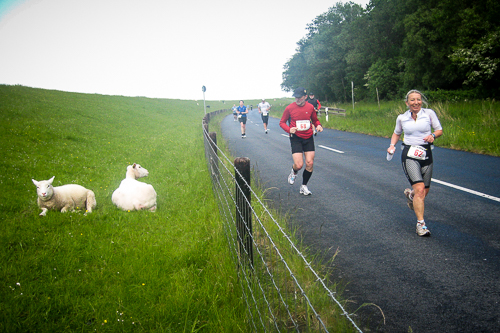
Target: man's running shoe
[(422, 230), (291, 177), (407, 193), (304, 190), (266, 131), (243, 136)]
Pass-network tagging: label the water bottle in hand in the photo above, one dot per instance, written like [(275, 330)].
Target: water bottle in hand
[(391, 155)]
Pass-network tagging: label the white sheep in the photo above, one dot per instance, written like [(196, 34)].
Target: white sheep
[(133, 194), (63, 198)]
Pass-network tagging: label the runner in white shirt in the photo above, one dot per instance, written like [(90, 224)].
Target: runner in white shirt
[(264, 108), (417, 124)]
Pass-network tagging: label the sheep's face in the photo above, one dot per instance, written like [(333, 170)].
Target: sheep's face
[(139, 171), (44, 189)]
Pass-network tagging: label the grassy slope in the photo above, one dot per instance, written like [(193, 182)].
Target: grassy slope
[(110, 270)]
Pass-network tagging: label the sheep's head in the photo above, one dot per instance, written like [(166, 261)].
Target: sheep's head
[(136, 171), (44, 189)]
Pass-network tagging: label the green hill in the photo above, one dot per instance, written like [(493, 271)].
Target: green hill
[(168, 271)]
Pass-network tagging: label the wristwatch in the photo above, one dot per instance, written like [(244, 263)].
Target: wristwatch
[(433, 135)]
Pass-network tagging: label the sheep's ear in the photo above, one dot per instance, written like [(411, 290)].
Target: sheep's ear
[(133, 166), (51, 180), (34, 182)]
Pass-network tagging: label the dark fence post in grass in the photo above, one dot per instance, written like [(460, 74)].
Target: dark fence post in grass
[(205, 123), (243, 208), (214, 157)]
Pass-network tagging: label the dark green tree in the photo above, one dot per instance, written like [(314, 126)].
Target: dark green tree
[(320, 61), (396, 45)]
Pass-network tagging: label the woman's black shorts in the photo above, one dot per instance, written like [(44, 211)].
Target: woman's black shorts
[(417, 171)]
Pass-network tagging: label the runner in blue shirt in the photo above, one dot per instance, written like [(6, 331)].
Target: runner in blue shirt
[(242, 116)]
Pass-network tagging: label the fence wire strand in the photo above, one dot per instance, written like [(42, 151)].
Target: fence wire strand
[(269, 286)]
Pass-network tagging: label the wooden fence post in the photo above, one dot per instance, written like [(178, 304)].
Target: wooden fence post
[(243, 209), (205, 124), (214, 156)]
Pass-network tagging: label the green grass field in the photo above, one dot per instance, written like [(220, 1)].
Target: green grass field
[(110, 271)]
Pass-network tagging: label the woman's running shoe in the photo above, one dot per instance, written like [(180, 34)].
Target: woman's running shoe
[(422, 230)]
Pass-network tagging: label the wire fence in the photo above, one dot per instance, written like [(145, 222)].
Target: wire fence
[(265, 254)]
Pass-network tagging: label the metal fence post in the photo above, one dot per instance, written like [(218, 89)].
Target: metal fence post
[(243, 209)]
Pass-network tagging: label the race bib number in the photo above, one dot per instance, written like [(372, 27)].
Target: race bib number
[(303, 125), (264, 113), (417, 152)]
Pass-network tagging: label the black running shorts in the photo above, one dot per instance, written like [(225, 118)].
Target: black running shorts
[(265, 119), (300, 145), (417, 171)]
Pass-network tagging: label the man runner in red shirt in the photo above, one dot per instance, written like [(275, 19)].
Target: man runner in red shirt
[(299, 116)]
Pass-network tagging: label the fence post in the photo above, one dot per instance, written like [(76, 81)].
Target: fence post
[(214, 159), (243, 209), (205, 124)]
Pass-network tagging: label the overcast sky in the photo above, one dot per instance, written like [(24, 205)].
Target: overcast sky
[(154, 48)]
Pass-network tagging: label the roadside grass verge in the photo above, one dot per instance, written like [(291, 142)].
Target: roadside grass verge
[(110, 271), (469, 125)]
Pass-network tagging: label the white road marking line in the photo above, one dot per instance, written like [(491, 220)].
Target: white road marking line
[(335, 150), (466, 190), (285, 135)]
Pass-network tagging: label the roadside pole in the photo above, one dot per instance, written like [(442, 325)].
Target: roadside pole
[(204, 105), (352, 92)]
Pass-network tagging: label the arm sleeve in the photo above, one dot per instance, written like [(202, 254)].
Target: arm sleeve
[(314, 118), (399, 128), (283, 120), (319, 105)]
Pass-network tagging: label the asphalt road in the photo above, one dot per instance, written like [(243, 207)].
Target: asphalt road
[(448, 282)]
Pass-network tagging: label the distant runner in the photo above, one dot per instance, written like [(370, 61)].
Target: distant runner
[(242, 117), (264, 109), (235, 115), (317, 105)]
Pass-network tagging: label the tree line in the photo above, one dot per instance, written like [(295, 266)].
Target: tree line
[(449, 48)]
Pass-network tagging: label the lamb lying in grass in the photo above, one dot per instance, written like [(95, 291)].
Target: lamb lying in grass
[(133, 194), (63, 198)]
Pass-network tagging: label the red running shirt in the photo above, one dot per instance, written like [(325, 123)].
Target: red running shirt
[(294, 113)]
